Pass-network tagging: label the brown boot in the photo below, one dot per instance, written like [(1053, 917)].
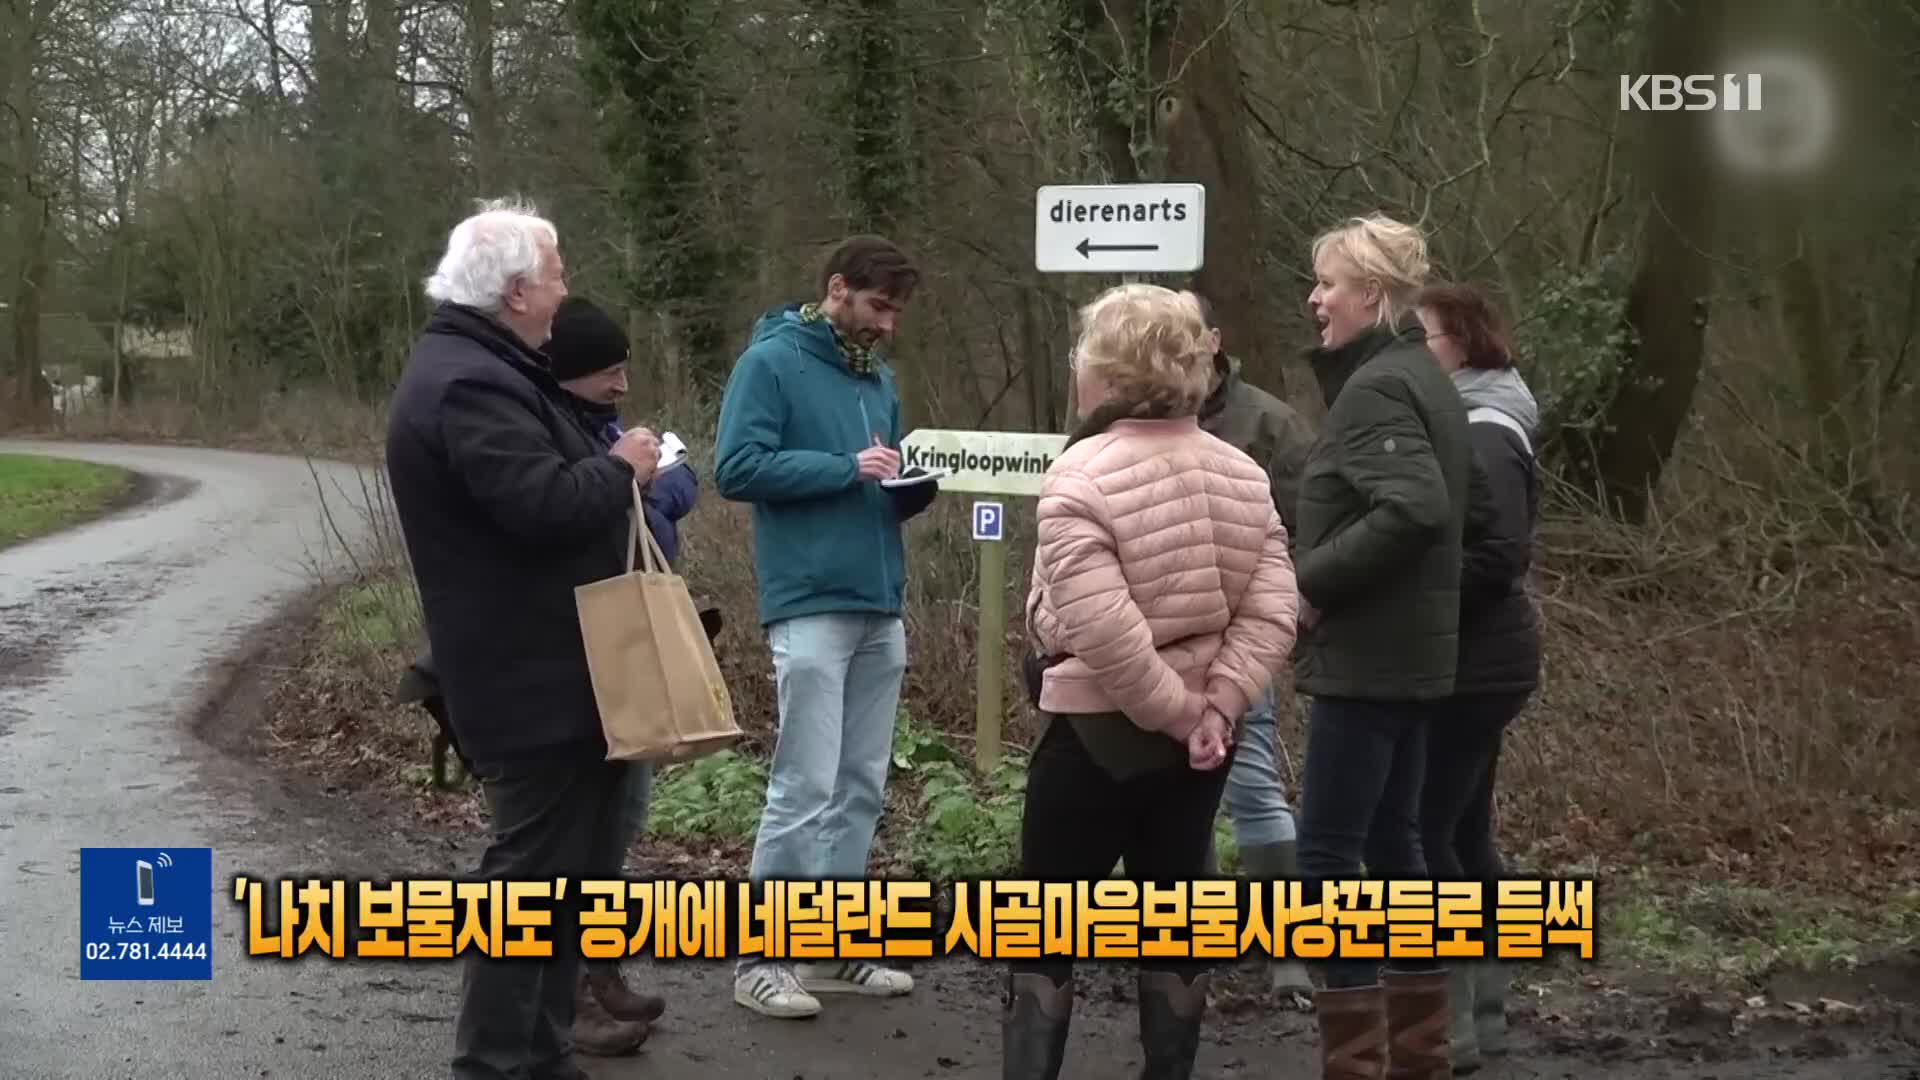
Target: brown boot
[(1353, 1033), (598, 1032), (619, 999), (1417, 1019)]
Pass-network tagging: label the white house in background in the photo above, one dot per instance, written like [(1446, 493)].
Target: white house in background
[(154, 343), (74, 397)]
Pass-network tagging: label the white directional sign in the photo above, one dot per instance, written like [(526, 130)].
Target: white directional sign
[(984, 462), (1120, 228)]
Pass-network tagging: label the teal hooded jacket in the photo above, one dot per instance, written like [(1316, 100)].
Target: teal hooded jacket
[(791, 422)]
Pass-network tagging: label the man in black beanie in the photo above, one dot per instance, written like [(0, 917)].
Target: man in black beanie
[(587, 355)]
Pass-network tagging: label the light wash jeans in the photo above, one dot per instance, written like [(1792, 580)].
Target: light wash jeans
[(838, 679), (1254, 798)]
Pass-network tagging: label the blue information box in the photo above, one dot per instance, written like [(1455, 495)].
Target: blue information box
[(146, 913)]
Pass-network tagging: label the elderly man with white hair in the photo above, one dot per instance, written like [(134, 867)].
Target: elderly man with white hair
[(507, 502)]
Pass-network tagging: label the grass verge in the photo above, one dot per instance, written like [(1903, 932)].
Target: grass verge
[(1725, 932), (40, 495)]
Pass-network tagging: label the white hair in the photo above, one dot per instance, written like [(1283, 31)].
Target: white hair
[(488, 250)]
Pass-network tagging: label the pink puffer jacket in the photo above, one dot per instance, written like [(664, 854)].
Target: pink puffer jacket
[(1163, 572)]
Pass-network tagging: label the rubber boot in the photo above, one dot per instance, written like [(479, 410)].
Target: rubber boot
[(1417, 1018), (618, 998), (1490, 1007), (1170, 1013), (1463, 1045), (1353, 1033), (599, 1033), (1033, 1034), (1268, 862)]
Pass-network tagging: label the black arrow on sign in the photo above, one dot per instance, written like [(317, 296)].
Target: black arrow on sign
[(1087, 247)]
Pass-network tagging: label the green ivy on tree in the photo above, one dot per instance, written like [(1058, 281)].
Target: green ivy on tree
[(641, 61)]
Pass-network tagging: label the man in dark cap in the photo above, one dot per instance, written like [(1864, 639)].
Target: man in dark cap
[(588, 355), (1278, 437)]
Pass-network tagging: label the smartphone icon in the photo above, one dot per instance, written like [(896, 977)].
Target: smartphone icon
[(144, 871)]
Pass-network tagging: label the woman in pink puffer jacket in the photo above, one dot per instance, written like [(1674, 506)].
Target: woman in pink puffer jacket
[(1162, 603)]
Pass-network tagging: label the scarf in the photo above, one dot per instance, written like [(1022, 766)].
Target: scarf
[(859, 357)]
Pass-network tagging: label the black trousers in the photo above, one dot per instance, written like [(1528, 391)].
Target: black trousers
[(1361, 806), (1456, 803), (1079, 821), (549, 820)]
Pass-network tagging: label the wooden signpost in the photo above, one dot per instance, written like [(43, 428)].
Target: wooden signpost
[(1007, 463), (1126, 229)]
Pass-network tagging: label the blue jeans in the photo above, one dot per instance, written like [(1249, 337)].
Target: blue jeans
[(838, 679), (1366, 765), (1255, 799)]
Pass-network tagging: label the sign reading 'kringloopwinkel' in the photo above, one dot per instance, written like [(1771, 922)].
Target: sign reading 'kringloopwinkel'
[(985, 462)]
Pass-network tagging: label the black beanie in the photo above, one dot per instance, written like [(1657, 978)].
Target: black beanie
[(585, 340)]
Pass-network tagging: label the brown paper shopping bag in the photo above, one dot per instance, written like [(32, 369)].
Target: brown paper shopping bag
[(659, 688)]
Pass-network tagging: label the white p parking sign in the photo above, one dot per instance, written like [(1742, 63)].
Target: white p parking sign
[(989, 521)]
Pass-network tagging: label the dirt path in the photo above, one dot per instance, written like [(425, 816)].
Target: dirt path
[(132, 660)]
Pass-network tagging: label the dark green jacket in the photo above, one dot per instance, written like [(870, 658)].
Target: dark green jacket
[(1265, 429), (1383, 504)]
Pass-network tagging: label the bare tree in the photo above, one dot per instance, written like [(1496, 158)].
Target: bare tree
[(1667, 304)]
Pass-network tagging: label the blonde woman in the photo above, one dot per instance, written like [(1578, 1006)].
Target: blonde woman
[(1162, 602), (1382, 508)]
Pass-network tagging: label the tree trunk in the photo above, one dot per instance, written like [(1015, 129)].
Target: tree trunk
[(332, 93), (1804, 310), (1039, 366), (30, 214), (1202, 123), (124, 265), (874, 92), (1667, 302), (1094, 40), (28, 203), (483, 121), (270, 30)]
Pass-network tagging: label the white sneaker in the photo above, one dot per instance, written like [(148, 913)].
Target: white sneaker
[(854, 977), (772, 990)]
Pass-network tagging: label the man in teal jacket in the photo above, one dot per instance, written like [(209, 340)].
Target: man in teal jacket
[(809, 430)]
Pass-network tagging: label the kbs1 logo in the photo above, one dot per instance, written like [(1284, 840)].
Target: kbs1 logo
[(1781, 118), (1692, 93)]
